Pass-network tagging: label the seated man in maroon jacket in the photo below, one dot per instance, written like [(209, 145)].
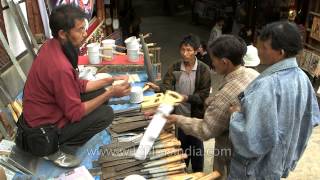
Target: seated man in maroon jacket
[(55, 96)]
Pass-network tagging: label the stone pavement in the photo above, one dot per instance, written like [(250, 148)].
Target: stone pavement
[(308, 167)]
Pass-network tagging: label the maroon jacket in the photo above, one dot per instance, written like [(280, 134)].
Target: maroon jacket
[(52, 91)]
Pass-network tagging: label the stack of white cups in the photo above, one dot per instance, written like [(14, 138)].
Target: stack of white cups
[(93, 50), (133, 46), (109, 47)]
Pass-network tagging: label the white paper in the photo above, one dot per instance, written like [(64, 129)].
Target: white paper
[(80, 173)]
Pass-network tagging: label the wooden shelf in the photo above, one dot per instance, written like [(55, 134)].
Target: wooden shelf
[(312, 47)]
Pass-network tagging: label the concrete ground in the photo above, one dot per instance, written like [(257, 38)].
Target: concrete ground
[(167, 33)]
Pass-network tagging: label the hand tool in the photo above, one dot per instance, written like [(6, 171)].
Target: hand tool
[(121, 120), (157, 123)]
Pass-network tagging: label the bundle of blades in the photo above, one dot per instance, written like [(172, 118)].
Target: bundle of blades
[(192, 176), (117, 159), (127, 119), (131, 110), (146, 175), (130, 126), (120, 149), (126, 150), (135, 136), (162, 167), (116, 149), (166, 143), (123, 120), (130, 114)]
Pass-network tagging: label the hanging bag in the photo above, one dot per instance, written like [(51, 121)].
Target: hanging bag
[(39, 141)]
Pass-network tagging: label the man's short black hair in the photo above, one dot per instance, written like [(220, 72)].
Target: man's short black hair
[(230, 47), (191, 40), (63, 18), (203, 45), (284, 36), (245, 36)]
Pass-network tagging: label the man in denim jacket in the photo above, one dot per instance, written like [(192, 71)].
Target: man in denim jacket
[(270, 130)]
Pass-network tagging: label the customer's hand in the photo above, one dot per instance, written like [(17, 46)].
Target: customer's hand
[(171, 119), (185, 98), (121, 90), (149, 114), (2, 174), (153, 86), (234, 108)]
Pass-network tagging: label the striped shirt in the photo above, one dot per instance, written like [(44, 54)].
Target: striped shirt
[(217, 117)]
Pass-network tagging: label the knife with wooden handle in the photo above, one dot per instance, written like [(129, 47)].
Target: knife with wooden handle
[(166, 160), (211, 176)]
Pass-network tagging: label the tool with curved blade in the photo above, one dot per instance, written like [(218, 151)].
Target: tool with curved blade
[(158, 121)]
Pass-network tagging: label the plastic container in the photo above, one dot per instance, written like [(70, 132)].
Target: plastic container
[(110, 44), (133, 55)]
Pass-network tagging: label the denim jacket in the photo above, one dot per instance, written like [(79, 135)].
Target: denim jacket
[(278, 111)]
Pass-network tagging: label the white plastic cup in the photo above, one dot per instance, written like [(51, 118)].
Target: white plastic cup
[(93, 47), (130, 39), (132, 43), (109, 43), (94, 57), (93, 50), (133, 55)]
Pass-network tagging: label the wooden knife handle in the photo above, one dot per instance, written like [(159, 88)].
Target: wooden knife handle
[(145, 87), (14, 115), (151, 44), (16, 107), (166, 160), (192, 176), (147, 35), (211, 176), (168, 144), (165, 136)]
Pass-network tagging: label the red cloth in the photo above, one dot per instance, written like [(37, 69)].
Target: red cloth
[(52, 91), (117, 59)]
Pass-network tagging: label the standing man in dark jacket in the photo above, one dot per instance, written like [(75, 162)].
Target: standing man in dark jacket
[(203, 54), (191, 78)]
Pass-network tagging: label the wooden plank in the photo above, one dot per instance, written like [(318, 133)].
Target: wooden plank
[(30, 16), (37, 18), (98, 10), (103, 10), (312, 47)]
